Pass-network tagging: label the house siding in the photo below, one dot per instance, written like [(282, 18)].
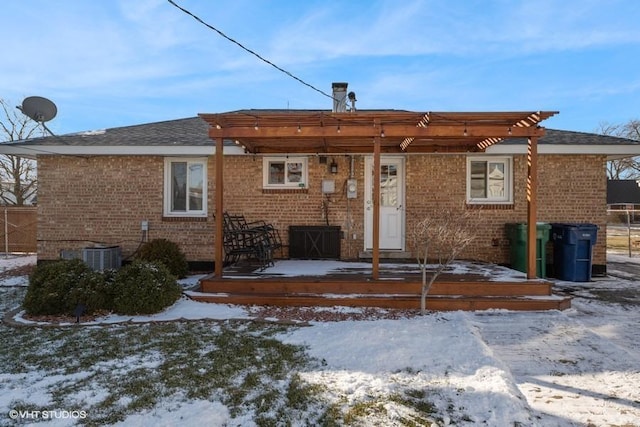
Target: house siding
[(103, 199)]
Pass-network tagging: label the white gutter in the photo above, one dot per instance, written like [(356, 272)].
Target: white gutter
[(116, 150), (611, 151)]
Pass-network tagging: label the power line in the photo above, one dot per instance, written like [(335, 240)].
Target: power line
[(249, 50)]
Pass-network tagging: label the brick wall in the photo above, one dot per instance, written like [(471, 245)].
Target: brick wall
[(244, 194), (438, 183), (574, 189), (570, 189), (104, 198)]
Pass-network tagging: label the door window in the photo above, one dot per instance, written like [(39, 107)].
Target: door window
[(388, 186)]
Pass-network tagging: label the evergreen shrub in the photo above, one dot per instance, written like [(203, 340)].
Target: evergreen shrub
[(144, 287), (58, 287), (166, 252)]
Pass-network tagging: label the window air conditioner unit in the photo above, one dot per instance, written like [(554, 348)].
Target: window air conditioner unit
[(102, 258)]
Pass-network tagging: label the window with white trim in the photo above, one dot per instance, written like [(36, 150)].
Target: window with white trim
[(284, 172), (185, 187), (489, 180)]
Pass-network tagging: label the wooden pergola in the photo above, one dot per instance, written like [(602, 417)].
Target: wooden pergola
[(375, 132)]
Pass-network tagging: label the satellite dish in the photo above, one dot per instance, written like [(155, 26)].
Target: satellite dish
[(38, 108)]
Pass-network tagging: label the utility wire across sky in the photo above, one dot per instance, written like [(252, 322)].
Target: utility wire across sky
[(249, 50)]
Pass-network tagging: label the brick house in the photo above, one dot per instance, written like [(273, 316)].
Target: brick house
[(99, 187)]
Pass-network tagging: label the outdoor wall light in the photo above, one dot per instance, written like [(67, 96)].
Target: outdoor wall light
[(333, 167)]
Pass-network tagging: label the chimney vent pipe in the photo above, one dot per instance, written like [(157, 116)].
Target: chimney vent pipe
[(339, 97)]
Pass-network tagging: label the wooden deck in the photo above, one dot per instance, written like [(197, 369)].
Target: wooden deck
[(398, 287)]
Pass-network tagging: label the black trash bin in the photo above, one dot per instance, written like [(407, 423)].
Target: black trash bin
[(573, 250)]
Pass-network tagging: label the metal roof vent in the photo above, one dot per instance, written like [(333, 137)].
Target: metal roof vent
[(352, 99)]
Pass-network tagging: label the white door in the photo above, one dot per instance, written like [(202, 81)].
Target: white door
[(391, 203)]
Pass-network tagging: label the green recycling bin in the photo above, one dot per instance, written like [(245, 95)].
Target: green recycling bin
[(517, 235)]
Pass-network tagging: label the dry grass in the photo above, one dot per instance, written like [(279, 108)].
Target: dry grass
[(618, 238), (622, 242), (24, 270)]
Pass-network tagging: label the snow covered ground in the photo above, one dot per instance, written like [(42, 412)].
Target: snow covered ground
[(579, 367)]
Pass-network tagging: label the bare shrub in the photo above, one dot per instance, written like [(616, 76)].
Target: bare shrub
[(440, 238)]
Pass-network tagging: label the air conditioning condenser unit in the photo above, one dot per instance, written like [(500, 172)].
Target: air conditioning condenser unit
[(102, 258)]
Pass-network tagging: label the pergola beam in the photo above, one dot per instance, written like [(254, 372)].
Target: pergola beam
[(391, 131), (358, 148)]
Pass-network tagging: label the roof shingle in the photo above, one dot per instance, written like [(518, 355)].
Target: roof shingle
[(193, 131)]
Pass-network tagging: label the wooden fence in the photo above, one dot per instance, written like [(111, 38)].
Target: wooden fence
[(18, 229)]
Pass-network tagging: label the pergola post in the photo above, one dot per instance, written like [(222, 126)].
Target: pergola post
[(532, 190), (219, 207), (375, 261)]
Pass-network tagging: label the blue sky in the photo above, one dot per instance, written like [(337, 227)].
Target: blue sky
[(114, 63)]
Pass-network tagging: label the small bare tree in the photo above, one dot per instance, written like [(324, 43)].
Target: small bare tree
[(628, 167), (440, 238), (18, 181)]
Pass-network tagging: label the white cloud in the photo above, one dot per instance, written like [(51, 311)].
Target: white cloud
[(412, 54), (415, 28)]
